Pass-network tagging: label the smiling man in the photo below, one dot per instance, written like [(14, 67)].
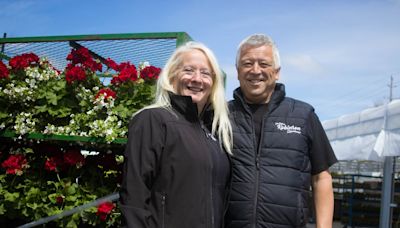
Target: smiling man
[(280, 148)]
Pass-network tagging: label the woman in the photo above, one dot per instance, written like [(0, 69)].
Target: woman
[(176, 167)]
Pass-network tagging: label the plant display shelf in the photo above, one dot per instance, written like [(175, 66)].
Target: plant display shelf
[(154, 48), (358, 199), (47, 166)]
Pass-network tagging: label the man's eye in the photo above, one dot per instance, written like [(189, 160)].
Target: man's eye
[(265, 65)]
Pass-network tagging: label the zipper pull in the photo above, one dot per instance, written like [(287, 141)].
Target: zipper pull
[(258, 163), (207, 133), (162, 199)]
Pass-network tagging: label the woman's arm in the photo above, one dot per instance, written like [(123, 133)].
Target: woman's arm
[(141, 157)]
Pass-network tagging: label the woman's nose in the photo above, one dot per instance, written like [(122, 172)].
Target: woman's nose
[(196, 76)]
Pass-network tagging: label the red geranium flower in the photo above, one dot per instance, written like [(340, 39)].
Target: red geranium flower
[(150, 72), (107, 93), (104, 209), (22, 61), (75, 73), (3, 70), (53, 164), (112, 64), (15, 164), (59, 199), (82, 56), (127, 72), (74, 157)]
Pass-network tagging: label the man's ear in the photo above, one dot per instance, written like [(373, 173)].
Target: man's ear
[(237, 71), (277, 73)]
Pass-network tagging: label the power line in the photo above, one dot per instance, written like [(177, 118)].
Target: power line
[(367, 90), (362, 88), (367, 95)]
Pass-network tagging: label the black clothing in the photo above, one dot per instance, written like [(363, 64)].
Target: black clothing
[(175, 173), (271, 184), (258, 111), (322, 155)]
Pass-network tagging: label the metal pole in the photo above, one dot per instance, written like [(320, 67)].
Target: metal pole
[(3, 45), (111, 197), (385, 220)]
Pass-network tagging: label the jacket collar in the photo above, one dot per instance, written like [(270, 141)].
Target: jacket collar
[(185, 106), (277, 96)]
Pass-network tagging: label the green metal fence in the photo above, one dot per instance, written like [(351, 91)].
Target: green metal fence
[(137, 47)]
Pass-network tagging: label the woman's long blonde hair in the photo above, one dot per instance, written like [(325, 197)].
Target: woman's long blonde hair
[(220, 124)]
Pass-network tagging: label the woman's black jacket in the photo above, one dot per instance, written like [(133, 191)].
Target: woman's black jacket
[(167, 175)]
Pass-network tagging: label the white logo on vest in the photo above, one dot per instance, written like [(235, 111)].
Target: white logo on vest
[(288, 128)]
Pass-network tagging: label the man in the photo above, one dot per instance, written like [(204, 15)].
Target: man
[(280, 148)]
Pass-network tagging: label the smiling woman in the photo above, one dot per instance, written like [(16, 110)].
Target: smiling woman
[(177, 148), (195, 78)]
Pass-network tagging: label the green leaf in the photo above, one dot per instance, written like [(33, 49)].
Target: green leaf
[(3, 115), (52, 197), (52, 98), (2, 209), (71, 198), (71, 224), (33, 192), (32, 205), (41, 108), (12, 197), (70, 190)]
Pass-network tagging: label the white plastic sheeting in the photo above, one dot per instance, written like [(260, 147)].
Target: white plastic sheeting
[(367, 135)]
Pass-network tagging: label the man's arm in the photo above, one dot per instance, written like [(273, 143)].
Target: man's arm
[(323, 199)]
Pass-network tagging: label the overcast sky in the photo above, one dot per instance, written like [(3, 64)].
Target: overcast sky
[(336, 55)]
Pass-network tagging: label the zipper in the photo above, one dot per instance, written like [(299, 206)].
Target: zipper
[(256, 191), (212, 206), (163, 210), (227, 191), (208, 137), (257, 184)]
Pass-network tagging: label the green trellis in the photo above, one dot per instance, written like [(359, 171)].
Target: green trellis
[(154, 48)]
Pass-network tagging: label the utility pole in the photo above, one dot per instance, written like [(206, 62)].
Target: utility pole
[(389, 165)]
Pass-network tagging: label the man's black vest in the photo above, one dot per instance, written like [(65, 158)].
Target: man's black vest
[(270, 187)]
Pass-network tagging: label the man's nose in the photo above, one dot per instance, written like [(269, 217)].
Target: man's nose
[(256, 69)]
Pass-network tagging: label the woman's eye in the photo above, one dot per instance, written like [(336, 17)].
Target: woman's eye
[(188, 71), (205, 73)]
